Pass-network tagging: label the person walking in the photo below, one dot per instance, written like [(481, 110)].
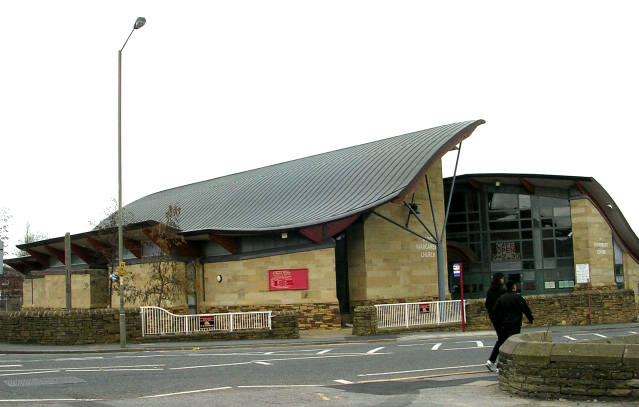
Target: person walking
[(494, 292), (507, 314)]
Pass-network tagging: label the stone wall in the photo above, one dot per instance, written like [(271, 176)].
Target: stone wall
[(310, 316), (531, 365), (606, 306), (88, 290), (73, 327)]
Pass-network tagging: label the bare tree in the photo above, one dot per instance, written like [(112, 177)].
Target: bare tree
[(29, 236), (167, 282), (4, 228)]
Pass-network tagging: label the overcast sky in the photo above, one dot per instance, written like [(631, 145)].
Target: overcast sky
[(213, 88)]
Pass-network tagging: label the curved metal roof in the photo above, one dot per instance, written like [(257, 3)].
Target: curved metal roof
[(307, 191), (587, 186)]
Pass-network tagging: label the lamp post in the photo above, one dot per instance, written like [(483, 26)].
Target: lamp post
[(139, 22)]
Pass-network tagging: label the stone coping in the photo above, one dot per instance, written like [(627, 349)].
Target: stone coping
[(532, 365)]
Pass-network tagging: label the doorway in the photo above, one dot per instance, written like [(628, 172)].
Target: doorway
[(341, 274)]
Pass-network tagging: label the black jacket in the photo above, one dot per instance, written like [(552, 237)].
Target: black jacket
[(491, 297), (508, 309)]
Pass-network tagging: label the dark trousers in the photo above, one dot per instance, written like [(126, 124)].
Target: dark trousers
[(503, 333)]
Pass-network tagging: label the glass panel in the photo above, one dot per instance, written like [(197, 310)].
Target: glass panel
[(546, 223), (526, 234), (474, 227), (503, 201), (526, 224), (526, 214), (456, 218), (565, 263), (529, 276), (524, 201), (505, 266), (494, 236), (473, 201), (547, 233), (530, 264), (503, 215), (563, 232), (473, 217), (505, 251), (458, 204), (549, 248), (504, 225), (527, 250), (550, 263), (550, 275), (564, 247), (563, 222), (561, 211), (566, 275), (530, 285), (459, 228)]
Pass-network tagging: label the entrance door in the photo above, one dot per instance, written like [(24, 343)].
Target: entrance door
[(514, 277), (341, 274)]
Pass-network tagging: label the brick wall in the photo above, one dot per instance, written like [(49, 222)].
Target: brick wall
[(530, 365), (73, 327)]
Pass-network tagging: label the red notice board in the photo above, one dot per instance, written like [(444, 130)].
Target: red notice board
[(288, 279)]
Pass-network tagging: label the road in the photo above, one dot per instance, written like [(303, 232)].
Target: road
[(389, 373)]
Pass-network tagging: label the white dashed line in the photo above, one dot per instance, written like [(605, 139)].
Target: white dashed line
[(373, 351), (323, 351), (1, 366), (436, 346), (569, 337), (204, 366), (419, 370), (263, 363), (633, 332), (26, 373), (184, 392), (600, 335), (340, 381)]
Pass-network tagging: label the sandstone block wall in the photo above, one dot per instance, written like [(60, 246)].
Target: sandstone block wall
[(531, 365), (606, 306), (73, 327)]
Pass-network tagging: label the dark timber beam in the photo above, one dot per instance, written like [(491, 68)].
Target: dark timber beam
[(41, 258), (134, 246), (475, 184), (58, 254), (529, 187), (227, 242), (87, 255), (188, 248)]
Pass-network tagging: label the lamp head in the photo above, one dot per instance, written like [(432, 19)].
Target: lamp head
[(139, 22)]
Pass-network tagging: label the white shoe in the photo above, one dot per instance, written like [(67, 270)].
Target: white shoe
[(491, 366)]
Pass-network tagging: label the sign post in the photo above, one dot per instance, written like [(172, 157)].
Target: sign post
[(67, 264), (582, 272), (458, 272)]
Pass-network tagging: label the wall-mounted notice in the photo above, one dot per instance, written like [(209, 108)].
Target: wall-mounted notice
[(582, 273), (288, 279)]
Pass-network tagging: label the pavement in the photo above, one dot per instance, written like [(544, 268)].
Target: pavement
[(307, 337)]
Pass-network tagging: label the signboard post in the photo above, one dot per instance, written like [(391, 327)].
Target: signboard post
[(458, 272), (582, 272)]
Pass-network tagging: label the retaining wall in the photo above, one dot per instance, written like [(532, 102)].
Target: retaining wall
[(531, 365), (78, 327)]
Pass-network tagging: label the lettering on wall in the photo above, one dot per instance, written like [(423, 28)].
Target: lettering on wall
[(601, 247), (506, 251), (288, 279), (426, 249)]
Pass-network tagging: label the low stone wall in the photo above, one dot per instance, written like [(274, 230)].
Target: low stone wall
[(284, 325), (531, 365), (607, 307), (79, 327), (73, 327), (310, 316)]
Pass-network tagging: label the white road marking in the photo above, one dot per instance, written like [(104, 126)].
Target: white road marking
[(263, 363), (184, 392), (436, 346), (480, 344), (374, 351), (569, 337), (203, 366), (42, 400), (280, 386), (10, 366), (341, 381), (26, 373), (600, 335), (419, 370), (87, 358), (111, 370), (633, 332), (323, 351)]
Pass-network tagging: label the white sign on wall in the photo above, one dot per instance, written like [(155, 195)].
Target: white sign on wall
[(582, 273)]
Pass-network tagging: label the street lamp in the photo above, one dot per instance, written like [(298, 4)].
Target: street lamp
[(139, 22)]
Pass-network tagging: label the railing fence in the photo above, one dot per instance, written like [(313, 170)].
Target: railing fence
[(158, 321), (418, 313)]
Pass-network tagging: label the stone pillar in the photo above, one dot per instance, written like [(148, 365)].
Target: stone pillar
[(592, 243)]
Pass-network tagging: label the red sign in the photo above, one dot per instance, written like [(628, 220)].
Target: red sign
[(424, 308), (207, 322), (288, 279)]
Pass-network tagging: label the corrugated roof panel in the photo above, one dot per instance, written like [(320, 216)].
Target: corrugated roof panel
[(306, 191)]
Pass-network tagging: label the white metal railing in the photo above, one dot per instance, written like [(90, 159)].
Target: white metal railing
[(158, 321), (418, 313)]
